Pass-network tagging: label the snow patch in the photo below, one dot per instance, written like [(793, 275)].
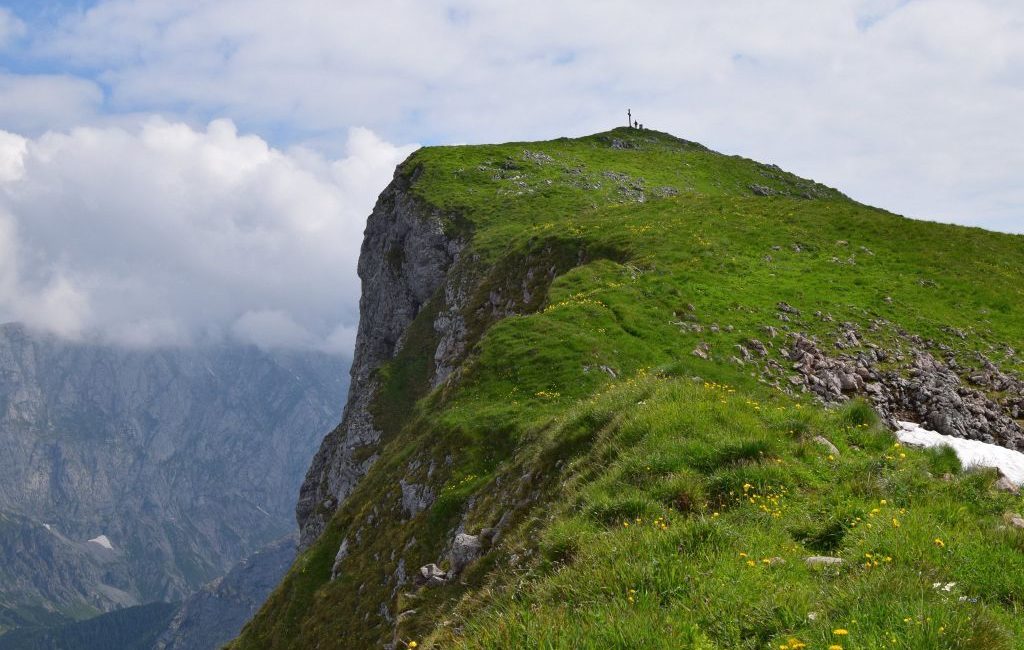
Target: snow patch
[(103, 541), (972, 453), (48, 527)]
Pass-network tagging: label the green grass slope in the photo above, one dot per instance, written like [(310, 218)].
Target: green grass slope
[(648, 497)]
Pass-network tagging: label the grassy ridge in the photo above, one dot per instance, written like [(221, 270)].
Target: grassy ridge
[(581, 414), (688, 521)]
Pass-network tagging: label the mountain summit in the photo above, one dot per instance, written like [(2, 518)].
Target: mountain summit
[(625, 391)]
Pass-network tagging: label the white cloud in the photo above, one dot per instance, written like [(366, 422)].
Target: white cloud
[(10, 27), (911, 105), (32, 104), (154, 231), (53, 303), (271, 328), (12, 154), (165, 234)]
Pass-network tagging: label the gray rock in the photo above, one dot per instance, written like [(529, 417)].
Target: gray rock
[(702, 351), (758, 347), (848, 382), (761, 190), (827, 444), (786, 308), (1006, 485), (817, 561), (465, 549), (1014, 519), (935, 396), (339, 557), (415, 498), (431, 575)]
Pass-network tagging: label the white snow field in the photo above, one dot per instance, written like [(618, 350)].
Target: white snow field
[(103, 541), (972, 453)]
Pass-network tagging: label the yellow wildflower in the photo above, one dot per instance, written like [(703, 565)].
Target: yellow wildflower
[(940, 543), (840, 632)]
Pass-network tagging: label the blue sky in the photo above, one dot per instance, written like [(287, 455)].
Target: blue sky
[(915, 106)]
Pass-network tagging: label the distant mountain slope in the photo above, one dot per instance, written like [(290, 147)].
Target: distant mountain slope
[(215, 614), (624, 391), (206, 620), (128, 477), (133, 628)]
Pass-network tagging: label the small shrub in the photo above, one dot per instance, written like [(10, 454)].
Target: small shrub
[(563, 541), (613, 510), (684, 492), (701, 536), (858, 413), (707, 458), (825, 538), (943, 460)]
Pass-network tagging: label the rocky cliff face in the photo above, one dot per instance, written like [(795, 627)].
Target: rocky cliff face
[(136, 476), (403, 263)]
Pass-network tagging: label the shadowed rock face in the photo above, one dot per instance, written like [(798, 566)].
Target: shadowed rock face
[(186, 460), (403, 262)]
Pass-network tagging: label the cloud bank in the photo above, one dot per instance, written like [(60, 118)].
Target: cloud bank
[(164, 234), (913, 105), (153, 230)]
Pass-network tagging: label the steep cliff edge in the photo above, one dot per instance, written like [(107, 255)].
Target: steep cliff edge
[(610, 388), (404, 260)]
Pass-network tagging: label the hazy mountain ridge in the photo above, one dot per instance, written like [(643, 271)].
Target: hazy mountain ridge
[(184, 460), (205, 620), (216, 613)]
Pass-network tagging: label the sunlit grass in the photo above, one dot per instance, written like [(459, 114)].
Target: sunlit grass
[(651, 497)]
